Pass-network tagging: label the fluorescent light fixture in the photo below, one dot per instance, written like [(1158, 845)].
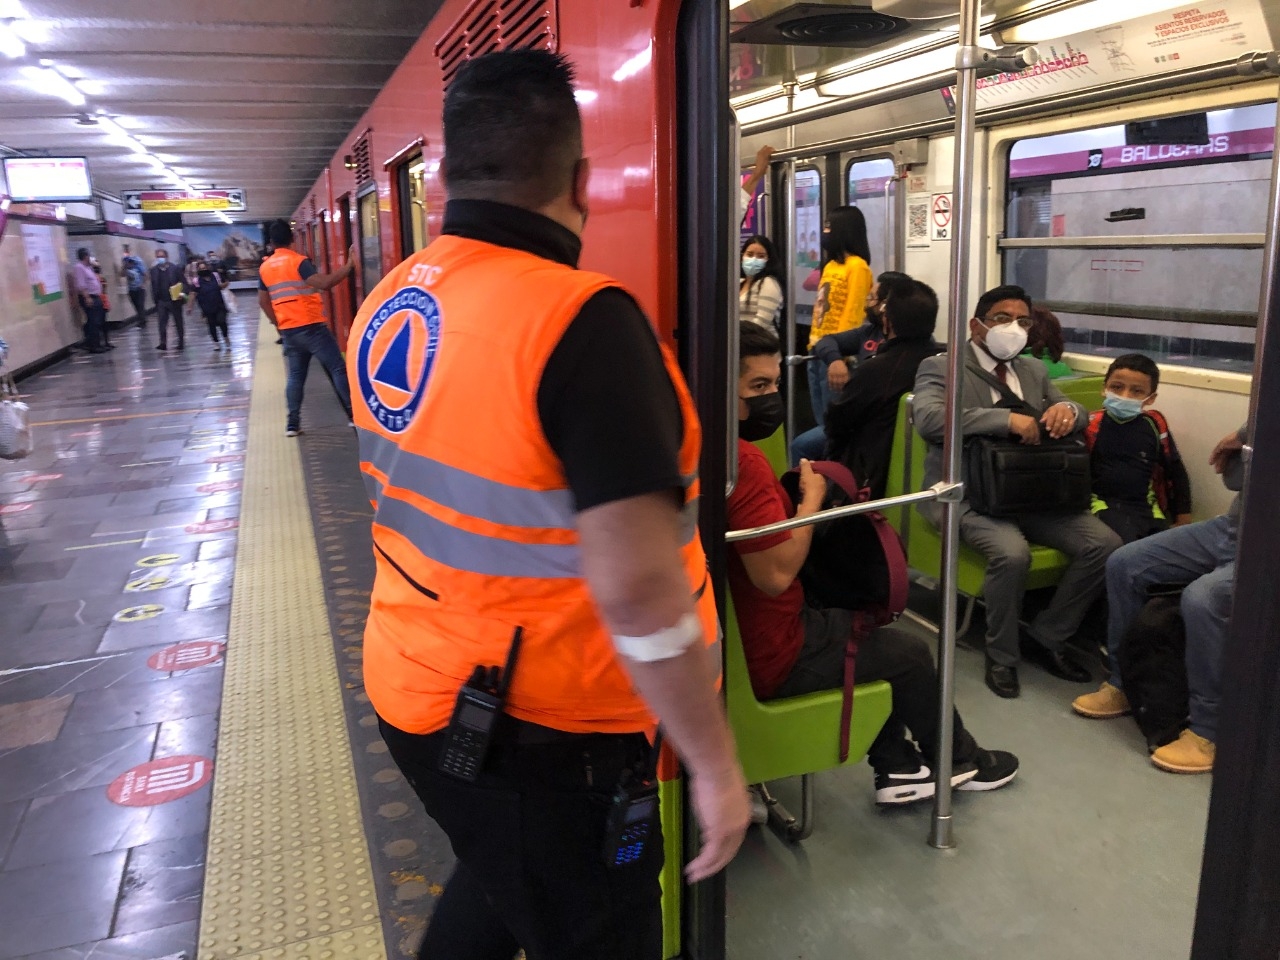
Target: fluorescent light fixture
[(735, 4), (1088, 16), (11, 44), (12, 10), (49, 80), (888, 74), (635, 64)]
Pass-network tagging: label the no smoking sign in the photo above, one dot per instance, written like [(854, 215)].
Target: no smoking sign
[(940, 216)]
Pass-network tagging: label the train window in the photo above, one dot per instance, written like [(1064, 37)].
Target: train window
[(370, 240), (1151, 247), (865, 185), (411, 179), (807, 257)]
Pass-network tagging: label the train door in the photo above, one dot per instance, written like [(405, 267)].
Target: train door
[(869, 184), (344, 220), (410, 178), (370, 238)]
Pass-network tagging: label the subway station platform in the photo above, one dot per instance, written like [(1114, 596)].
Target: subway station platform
[(189, 766)]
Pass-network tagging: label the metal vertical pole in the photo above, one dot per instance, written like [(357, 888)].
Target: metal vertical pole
[(940, 832), (789, 248), (1270, 279)]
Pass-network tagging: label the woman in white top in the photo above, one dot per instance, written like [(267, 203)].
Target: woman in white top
[(760, 290)]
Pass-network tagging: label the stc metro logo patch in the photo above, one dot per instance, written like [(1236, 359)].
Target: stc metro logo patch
[(396, 354)]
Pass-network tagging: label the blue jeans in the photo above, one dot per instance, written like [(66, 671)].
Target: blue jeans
[(819, 392), (300, 345), (1203, 554), (810, 445)]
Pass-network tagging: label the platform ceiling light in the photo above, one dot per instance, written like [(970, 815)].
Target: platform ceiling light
[(1087, 16), (47, 79), (11, 44)]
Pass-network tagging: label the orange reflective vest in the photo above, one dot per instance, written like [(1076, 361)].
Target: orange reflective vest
[(474, 532), (295, 304)]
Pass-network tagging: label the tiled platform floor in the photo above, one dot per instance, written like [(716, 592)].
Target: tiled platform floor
[(119, 538)]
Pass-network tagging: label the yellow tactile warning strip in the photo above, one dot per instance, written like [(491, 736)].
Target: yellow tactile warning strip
[(288, 871)]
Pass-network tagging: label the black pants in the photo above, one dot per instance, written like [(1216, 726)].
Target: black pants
[(164, 310), (139, 299), (95, 322), (892, 654), (217, 321), (529, 838)]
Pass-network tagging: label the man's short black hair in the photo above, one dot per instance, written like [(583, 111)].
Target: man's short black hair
[(512, 132), (912, 310), (1138, 363), (1008, 291), (755, 341), (83, 253), (280, 233)]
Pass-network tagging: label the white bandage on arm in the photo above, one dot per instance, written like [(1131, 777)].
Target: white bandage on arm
[(662, 645)]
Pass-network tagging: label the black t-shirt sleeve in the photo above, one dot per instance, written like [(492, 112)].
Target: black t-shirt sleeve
[(607, 406)]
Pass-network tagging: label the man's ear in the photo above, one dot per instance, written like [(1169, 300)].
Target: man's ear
[(1150, 400), (581, 185)]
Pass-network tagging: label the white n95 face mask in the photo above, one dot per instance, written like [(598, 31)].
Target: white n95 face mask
[(1006, 341)]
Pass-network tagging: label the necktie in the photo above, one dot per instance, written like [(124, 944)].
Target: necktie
[(1002, 372)]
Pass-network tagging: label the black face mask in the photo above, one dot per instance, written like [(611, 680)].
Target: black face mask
[(765, 414)]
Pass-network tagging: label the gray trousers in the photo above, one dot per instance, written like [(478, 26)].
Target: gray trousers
[(1081, 536)]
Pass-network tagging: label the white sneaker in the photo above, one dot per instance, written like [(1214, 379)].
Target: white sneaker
[(292, 433), (910, 786)]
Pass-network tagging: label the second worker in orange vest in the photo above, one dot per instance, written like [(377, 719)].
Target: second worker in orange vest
[(289, 291), (531, 452)]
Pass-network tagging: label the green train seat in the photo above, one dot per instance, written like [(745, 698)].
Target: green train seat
[(796, 736)]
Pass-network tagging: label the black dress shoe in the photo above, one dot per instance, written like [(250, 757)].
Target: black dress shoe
[(1002, 680), (1058, 665)]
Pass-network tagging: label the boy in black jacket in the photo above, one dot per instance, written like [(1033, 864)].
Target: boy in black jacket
[(1140, 485)]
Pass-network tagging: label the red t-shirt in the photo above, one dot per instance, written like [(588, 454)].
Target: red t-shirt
[(772, 629)]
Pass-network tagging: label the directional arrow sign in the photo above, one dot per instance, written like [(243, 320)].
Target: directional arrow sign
[(184, 201)]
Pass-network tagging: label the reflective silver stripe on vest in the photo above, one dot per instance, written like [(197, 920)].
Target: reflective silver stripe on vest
[(475, 552), (290, 289), (688, 523), (372, 487), (466, 492)]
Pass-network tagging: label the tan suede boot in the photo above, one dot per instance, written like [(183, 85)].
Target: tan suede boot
[(1190, 753), (1105, 703)]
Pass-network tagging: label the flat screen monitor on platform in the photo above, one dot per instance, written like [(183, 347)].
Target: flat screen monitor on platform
[(48, 179)]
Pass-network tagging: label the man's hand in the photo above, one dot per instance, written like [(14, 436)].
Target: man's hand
[(1182, 520), (1227, 448), (1059, 420), (813, 489), (763, 156), (837, 375), (723, 810), (1025, 428)]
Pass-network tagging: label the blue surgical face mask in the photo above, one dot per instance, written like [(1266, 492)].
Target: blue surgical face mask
[(753, 265), (1122, 408)]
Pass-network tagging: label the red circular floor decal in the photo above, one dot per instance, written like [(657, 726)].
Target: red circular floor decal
[(159, 781), (225, 458), (220, 486), (186, 656), (211, 526)]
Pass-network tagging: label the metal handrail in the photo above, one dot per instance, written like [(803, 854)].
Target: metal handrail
[(1247, 241), (936, 492), (735, 331)]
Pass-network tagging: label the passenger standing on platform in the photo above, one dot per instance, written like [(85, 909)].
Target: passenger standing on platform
[(165, 275), (88, 287), (106, 303), (289, 288), (524, 489), (208, 296), (135, 277)]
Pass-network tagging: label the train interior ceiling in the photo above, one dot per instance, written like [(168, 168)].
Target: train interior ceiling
[(1145, 239)]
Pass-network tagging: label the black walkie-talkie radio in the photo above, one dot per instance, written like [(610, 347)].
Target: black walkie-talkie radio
[(634, 815), (475, 717)]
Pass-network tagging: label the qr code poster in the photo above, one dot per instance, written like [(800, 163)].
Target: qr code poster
[(918, 222)]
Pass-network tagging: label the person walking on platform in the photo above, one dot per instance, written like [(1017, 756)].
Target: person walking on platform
[(165, 275), (289, 289), (208, 297), (88, 287), (537, 508), (135, 278)]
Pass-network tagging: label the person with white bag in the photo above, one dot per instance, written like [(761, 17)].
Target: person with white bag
[(15, 420)]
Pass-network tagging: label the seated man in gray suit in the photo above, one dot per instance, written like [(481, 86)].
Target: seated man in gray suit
[(997, 335)]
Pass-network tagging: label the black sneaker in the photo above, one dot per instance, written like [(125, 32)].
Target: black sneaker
[(897, 787), (995, 769)]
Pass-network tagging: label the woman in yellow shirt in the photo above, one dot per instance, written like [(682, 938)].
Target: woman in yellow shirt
[(842, 292)]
